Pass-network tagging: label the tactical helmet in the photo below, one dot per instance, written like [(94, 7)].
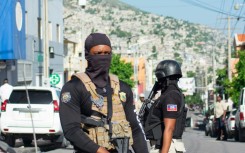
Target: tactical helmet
[(167, 69)]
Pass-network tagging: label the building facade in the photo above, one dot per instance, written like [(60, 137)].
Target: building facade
[(30, 68)]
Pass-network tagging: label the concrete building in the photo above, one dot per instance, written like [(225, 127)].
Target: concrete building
[(30, 17)]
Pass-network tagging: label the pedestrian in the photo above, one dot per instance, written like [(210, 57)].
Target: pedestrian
[(97, 110), (169, 106), (220, 109), (140, 102), (5, 90)]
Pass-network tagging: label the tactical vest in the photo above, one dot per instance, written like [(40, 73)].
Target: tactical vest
[(120, 126), (153, 125)]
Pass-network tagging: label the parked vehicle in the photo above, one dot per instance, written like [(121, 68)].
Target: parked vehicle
[(230, 123), (17, 115), (239, 119), (211, 128)]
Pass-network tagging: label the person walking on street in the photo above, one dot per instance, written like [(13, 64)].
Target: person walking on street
[(220, 109), (97, 110), (5, 90)]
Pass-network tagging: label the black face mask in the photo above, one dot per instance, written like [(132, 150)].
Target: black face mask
[(98, 69)]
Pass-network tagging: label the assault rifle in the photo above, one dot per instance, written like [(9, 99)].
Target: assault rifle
[(121, 144), (147, 103)]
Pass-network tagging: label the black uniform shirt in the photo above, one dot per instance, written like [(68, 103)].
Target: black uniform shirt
[(75, 100), (169, 103)]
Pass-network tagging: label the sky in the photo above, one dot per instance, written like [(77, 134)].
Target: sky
[(212, 13)]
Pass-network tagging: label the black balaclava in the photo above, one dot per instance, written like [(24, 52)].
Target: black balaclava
[(98, 65)]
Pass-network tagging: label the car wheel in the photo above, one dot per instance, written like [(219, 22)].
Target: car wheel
[(27, 142), (10, 140), (236, 134)]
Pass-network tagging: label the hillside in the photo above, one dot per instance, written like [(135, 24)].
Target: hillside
[(132, 28)]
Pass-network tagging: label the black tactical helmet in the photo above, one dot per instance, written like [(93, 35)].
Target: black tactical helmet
[(168, 68)]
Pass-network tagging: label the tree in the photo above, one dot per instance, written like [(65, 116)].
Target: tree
[(194, 99), (190, 74), (238, 82), (222, 81), (122, 69)]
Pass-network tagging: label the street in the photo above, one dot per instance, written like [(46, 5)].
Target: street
[(196, 142), (194, 139)]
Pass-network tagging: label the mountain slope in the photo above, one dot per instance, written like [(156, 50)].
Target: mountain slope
[(132, 28)]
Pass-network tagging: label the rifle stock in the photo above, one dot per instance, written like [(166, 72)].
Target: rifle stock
[(121, 144)]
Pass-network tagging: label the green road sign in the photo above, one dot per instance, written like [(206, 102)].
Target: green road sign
[(54, 79)]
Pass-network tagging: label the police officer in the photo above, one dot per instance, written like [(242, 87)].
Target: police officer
[(96, 109), (169, 105)]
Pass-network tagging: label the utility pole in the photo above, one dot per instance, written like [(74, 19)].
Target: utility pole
[(229, 49), (46, 44), (82, 4), (229, 46), (206, 90)]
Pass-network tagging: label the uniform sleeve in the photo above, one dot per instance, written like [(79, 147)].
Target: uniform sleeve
[(171, 104), (70, 110), (139, 140)]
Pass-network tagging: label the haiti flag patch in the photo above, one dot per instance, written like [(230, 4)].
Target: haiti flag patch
[(171, 107)]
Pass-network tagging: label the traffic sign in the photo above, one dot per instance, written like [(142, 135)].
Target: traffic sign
[(54, 79)]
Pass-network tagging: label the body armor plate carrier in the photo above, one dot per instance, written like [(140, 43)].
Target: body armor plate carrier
[(97, 126)]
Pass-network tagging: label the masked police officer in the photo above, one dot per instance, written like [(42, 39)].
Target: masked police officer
[(169, 106), (97, 110)]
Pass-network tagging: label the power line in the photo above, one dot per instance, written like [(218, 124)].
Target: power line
[(238, 17), (210, 9)]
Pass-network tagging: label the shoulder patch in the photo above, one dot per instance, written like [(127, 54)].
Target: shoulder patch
[(122, 96), (65, 97), (172, 107)]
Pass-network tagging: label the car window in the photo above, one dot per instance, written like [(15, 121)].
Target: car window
[(243, 99), (36, 97), (234, 112)]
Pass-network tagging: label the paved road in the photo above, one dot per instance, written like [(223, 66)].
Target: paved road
[(196, 142), (194, 139)]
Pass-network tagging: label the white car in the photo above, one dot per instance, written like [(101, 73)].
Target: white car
[(239, 119), (18, 118), (230, 123)]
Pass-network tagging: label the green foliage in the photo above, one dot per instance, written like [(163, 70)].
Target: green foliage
[(179, 60), (222, 81), (94, 2), (190, 74), (176, 55), (210, 69), (154, 52), (120, 33), (194, 99), (142, 31), (232, 88), (91, 11), (238, 82), (122, 69), (107, 17)]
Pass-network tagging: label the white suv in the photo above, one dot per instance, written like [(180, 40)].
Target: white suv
[(16, 117), (240, 118)]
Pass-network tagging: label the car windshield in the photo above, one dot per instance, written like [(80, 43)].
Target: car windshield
[(36, 97)]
